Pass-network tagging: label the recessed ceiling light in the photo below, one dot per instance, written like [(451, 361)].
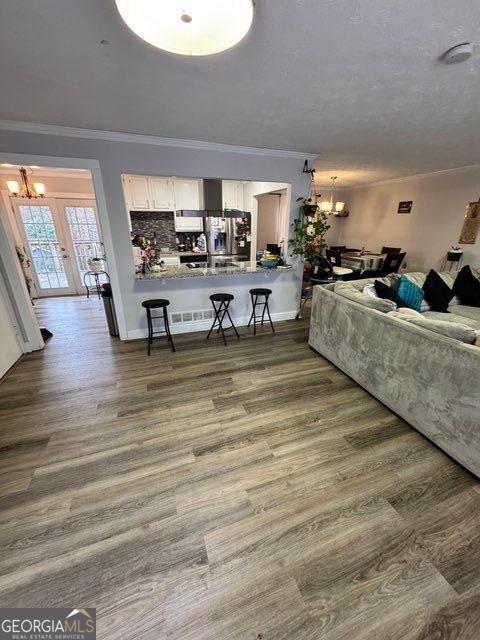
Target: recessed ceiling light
[(189, 27)]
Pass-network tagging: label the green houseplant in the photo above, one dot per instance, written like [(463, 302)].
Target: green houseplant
[(309, 230)]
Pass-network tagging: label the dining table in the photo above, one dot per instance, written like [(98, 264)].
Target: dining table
[(361, 262)]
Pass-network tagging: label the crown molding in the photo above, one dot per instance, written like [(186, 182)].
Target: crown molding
[(415, 176), (49, 173), (117, 136)]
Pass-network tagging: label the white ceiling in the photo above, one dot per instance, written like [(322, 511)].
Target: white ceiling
[(359, 81)]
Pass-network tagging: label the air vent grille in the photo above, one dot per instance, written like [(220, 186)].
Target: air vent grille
[(191, 316)]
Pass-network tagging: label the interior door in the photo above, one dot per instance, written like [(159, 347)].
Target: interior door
[(82, 235), (46, 245)]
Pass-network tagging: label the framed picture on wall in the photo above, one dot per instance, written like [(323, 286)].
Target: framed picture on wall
[(471, 224), (405, 206)]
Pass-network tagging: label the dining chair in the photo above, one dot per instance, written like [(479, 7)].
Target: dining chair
[(335, 259), (390, 250), (340, 247), (391, 264), (334, 256)]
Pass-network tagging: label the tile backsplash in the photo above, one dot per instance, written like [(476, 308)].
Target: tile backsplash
[(146, 223)]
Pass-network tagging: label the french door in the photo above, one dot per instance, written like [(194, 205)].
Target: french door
[(60, 235), (46, 244), (83, 234)]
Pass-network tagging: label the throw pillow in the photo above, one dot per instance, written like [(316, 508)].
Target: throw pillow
[(346, 290), (467, 287), (369, 290), (406, 311), (386, 292), (448, 329), (437, 293), (410, 295)]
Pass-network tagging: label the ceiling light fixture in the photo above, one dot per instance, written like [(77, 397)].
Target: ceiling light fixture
[(189, 27), (330, 206), (26, 190)]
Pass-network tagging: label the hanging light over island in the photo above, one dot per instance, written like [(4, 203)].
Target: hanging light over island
[(189, 27)]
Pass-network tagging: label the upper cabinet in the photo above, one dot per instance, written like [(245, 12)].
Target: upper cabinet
[(162, 196), (187, 193), (232, 194), (151, 193), (136, 192)]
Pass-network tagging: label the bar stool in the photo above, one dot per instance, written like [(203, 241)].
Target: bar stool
[(221, 310), (158, 303), (255, 294)]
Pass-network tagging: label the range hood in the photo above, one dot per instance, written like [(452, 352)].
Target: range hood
[(213, 204)]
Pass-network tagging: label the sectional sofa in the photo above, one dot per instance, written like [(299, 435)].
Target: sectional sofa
[(430, 379)]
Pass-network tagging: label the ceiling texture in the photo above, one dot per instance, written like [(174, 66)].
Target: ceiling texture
[(360, 82)]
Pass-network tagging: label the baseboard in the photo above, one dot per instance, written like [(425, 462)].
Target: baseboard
[(204, 325)]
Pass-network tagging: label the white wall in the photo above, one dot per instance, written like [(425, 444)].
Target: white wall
[(116, 158), (439, 203), (268, 219), (10, 349)]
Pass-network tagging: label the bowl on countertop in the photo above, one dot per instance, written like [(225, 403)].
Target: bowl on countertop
[(269, 262)]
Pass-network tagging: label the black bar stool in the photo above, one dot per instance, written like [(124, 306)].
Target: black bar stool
[(221, 310), (158, 303), (255, 294)]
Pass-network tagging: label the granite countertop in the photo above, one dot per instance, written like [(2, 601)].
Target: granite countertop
[(174, 254), (204, 272)]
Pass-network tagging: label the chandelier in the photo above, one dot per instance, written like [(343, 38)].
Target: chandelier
[(330, 206), (24, 189)]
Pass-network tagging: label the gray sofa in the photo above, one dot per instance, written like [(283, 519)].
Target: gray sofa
[(429, 379)]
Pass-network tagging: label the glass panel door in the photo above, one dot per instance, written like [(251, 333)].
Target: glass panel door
[(80, 217), (46, 246)]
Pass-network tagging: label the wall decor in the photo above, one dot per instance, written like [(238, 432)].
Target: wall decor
[(405, 206), (471, 224)]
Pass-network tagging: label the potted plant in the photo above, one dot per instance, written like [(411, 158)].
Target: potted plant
[(309, 229), (96, 263)]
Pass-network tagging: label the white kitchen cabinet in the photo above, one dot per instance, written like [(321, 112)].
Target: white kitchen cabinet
[(170, 261), (188, 224), (136, 192), (187, 196), (149, 193), (232, 194), (187, 193), (152, 193), (162, 196)]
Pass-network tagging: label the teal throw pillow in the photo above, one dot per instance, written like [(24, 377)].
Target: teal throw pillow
[(410, 294)]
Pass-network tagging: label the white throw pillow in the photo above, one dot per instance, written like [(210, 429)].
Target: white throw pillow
[(369, 290), (406, 311)]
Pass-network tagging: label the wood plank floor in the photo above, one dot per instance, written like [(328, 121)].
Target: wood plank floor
[(251, 492)]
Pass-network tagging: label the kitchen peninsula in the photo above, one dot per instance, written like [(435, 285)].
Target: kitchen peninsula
[(194, 237), (232, 269)]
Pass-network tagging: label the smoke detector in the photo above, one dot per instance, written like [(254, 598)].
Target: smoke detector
[(460, 53)]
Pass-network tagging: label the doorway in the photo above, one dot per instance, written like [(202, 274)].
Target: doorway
[(59, 236), (271, 219)]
